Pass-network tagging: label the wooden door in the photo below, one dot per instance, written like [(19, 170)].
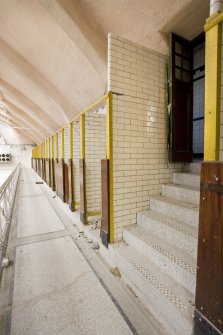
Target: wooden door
[(209, 291), (181, 94)]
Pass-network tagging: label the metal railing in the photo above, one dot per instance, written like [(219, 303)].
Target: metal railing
[(7, 196)]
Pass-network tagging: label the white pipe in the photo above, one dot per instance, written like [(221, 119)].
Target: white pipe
[(216, 5)]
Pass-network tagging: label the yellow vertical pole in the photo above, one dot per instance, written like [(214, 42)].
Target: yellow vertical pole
[(213, 30), (109, 142), (82, 137), (62, 140)]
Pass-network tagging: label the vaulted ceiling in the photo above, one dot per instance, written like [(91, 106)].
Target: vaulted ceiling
[(53, 53)]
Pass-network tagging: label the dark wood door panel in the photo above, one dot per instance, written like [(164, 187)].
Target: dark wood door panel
[(209, 291)]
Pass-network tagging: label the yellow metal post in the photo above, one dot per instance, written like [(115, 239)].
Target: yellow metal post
[(212, 88), (110, 157)]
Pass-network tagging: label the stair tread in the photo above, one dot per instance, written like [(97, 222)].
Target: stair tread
[(175, 202), (168, 287), (173, 223), (173, 253), (185, 187), (188, 173)]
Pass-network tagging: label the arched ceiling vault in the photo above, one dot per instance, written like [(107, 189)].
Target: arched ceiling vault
[(53, 53)]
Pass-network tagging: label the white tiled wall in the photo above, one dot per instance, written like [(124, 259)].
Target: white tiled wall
[(136, 76), (221, 110), (60, 144), (66, 144), (95, 150), (55, 146), (76, 157)]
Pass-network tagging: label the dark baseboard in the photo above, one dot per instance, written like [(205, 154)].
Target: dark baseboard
[(203, 327)]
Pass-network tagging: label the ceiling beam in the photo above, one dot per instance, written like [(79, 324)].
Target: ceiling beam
[(12, 121), (85, 34), (26, 119), (23, 102), (41, 84)]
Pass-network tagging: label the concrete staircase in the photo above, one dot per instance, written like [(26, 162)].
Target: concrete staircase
[(158, 255)]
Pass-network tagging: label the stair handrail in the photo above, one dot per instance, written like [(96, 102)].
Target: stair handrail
[(7, 197)]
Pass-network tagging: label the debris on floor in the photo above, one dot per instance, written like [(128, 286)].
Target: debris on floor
[(5, 262), (95, 225), (95, 245), (39, 182), (115, 271)]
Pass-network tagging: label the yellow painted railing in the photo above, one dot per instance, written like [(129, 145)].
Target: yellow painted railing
[(213, 45), (44, 149)]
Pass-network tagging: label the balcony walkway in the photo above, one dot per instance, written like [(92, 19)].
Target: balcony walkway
[(52, 286)]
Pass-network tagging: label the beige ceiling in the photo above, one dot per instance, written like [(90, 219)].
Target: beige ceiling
[(53, 53)]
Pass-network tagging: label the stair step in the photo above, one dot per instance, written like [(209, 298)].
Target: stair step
[(170, 259), (177, 209), (168, 301), (182, 192), (188, 179), (179, 233), (193, 168)]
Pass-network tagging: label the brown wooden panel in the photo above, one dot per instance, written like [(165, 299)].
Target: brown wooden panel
[(82, 191), (71, 187), (66, 183), (105, 222), (40, 167), (209, 291), (53, 179), (48, 171), (43, 174), (59, 175), (36, 165)]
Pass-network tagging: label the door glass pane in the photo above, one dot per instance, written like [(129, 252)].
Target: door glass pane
[(178, 61), (186, 64), (178, 74), (178, 48), (185, 76), (186, 52)]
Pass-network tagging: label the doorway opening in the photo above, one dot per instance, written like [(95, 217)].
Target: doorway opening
[(186, 92), (198, 97)]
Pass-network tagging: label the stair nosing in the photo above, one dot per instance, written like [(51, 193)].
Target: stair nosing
[(175, 202), (158, 217), (174, 259), (171, 297), (182, 186)]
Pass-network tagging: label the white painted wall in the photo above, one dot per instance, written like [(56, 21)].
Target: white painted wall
[(20, 153)]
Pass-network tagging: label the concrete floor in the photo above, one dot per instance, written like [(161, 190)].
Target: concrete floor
[(57, 284)]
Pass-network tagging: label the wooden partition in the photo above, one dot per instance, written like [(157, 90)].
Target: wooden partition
[(71, 185), (48, 171), (59, 176), (105, 220), (39, 167), (66, 183), (209, 291), (82, 191), (53, 179), (44, 169)]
